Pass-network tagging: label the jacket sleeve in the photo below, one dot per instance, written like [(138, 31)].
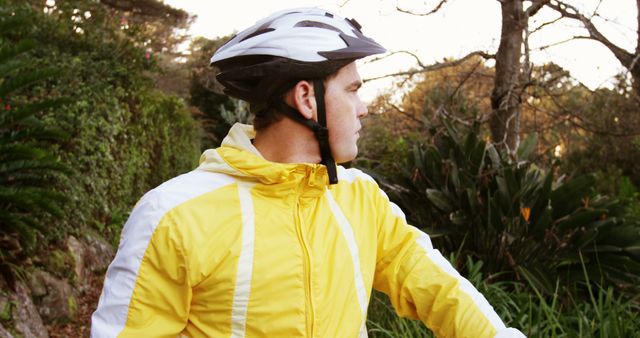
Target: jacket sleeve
[(422, 284), (146, 291)]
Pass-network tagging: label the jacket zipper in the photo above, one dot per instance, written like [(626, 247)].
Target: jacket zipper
[(307, 272)]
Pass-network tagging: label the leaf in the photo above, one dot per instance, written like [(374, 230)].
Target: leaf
[(542, 222), (537, 278), (439, 199), (477, 159), (568, 196), (458, 218), (527, 146), (9, 53), (581, 218), (493, 155), (542, 200), (24, 79), (472, 198), (452, 133)]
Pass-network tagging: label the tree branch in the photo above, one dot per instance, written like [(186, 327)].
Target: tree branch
[(571, 12), (436, 9), (466, 78), (433, 67), (595, 11), (578, 37), (398, 52), (536, 5), (547, 24), (403, 112)]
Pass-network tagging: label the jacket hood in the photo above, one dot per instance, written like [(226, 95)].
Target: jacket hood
[(239, 158)]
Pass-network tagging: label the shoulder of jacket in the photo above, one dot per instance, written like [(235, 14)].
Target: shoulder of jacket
[(183, 188), (352, 175)]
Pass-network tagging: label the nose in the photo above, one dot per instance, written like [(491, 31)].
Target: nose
[(361, 109)]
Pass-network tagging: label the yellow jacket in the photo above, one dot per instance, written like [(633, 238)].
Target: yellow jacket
[(243, 247)]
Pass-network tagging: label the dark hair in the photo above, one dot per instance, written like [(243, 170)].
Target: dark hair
[(264, 118), (265, 113)]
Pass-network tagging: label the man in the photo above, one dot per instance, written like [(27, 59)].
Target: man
[(268, 237)]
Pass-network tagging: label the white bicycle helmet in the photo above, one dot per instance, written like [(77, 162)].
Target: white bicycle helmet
[(259, 63)]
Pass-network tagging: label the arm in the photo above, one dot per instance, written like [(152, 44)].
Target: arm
[(146, 291), (422, 284)]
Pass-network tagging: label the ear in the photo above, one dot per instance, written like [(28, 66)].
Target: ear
[(302, 98)]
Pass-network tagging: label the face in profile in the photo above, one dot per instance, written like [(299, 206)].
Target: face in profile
[(344, 109)]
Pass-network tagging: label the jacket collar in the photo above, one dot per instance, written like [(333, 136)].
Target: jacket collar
[(238, 157)]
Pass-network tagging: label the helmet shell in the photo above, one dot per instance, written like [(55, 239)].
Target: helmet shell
[(294, 44)]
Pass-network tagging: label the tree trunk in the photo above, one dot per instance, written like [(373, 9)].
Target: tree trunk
[(505, 98), (635, 69)]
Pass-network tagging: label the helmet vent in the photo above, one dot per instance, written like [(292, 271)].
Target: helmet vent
[(258, 32), (355, 24), (316, 24)]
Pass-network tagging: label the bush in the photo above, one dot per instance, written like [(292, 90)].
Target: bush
[(515, 216), (29, 169), (125, 137)]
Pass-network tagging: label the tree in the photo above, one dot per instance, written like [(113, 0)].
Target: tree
[(157, 23), (218, 110), (30, 171), (630, 60), (125, 136), (511, 72), (513, 69)]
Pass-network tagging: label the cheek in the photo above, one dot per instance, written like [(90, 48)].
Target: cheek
[(343, 119)]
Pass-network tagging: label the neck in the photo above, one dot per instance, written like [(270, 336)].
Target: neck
[(287, 141)]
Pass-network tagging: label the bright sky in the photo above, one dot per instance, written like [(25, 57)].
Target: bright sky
[(459, 28)]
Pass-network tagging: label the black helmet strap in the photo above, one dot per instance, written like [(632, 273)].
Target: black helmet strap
[(319, 128), (323, 136)]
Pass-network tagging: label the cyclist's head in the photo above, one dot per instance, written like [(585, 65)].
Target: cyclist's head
[(262, 62)]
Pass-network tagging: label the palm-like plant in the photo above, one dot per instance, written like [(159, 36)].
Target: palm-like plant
[(28, 166), (515, 216)]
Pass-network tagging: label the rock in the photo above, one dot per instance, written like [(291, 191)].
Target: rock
[(36, 285), (58, 304), (5, 307), (60, 263), (98, 253), (77, 251), (4, 333), (25, 316)]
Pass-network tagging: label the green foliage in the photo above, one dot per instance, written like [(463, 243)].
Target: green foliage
[(125, 137), (218, 110), (29, 168), (609, 139), (380, 151), (628, 192), (515, 216)]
